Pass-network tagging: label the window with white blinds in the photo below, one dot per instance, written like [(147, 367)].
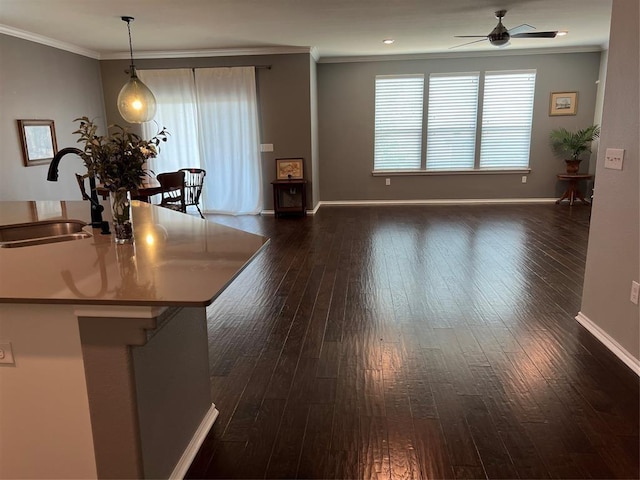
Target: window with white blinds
[(398, 117), (452, 121), (507, 115)]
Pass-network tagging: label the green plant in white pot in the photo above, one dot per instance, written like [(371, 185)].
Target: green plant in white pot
[(573, 144)]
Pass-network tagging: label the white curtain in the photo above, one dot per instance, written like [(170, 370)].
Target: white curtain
[(176, 99), (229, 138), (212, 117)]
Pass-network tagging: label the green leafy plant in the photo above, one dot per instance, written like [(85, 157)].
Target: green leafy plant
[(117, 160), (574, 143)]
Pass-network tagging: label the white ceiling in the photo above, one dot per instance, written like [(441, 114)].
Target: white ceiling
[(332, 28)]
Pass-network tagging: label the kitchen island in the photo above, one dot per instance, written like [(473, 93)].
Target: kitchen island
[(110, 374)]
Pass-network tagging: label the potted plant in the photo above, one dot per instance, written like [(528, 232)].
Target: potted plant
[(573, 144), (118, 161)]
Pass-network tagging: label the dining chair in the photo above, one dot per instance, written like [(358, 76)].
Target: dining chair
[(193, 182), (172, 190)]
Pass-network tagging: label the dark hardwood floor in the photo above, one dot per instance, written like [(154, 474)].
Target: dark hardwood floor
[(416, 342)]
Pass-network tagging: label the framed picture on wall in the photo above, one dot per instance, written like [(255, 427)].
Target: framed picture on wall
[(563, 103), (38, 140), (289, 168)]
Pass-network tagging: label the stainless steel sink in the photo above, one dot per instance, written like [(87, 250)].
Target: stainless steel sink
[(38, 233)]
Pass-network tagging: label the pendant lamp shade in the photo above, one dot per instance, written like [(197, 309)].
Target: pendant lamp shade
[(136, 102)]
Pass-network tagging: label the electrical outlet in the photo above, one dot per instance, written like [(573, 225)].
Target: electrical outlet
[(387, 181), (524, 179), (635, 291), (613, 158), (6, 354)]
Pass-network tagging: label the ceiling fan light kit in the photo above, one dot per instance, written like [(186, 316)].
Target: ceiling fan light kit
[(500, 35)]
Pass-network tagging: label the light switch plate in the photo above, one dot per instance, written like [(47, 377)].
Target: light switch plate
[(613, 158), (266, 147)]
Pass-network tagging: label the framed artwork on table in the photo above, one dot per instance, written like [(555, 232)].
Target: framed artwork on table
[(563, 103), (289, 168), (38, 140)]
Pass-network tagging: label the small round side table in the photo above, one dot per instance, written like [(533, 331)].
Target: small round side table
[(573, 192)]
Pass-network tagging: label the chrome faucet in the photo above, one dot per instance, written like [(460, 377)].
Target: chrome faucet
[(96, 208)]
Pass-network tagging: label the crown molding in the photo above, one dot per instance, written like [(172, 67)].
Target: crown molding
[(475, 54), (214, 52), (312, 51), (315, 54), (50, 42)]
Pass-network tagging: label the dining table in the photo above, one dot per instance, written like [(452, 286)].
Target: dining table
[(149, 188)]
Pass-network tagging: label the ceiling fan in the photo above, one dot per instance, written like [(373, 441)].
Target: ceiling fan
[(500, 36)]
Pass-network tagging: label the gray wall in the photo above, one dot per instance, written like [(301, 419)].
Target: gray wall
[(41, 82), (315, 141), (597, 115), (613, 258), (175, 356), (283, 96), (346, 117)]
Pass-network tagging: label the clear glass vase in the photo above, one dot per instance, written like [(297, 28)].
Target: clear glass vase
[(121, 215)]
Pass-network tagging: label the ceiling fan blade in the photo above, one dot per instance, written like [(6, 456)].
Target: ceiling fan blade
[(468, 43), (470, 36), (520, 29), (535, 35)]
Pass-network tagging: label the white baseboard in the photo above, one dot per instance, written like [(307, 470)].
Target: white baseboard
[(315, 210), (629, 360), (452, 201), (445, 201), (189, 454), (309, 212)]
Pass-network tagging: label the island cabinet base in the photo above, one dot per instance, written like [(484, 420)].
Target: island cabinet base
[(103, 392)]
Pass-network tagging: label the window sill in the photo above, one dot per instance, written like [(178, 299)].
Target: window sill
[(411, 173)]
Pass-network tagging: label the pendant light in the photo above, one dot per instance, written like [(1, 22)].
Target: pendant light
[(136, 103)]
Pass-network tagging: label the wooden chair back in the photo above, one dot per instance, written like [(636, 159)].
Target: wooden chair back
[(172, 190), (193, 182)]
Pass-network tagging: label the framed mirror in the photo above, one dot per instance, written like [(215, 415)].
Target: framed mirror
[(38, 139)]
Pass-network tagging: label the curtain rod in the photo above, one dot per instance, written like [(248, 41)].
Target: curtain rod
[(193, 69), (268, 67)]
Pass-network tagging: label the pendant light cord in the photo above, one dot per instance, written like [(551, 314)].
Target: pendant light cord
[(130, 44)]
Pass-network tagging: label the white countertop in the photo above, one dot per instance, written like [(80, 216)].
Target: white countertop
[(176, 260)]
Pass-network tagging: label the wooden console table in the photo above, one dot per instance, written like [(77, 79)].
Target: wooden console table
[(573, 191), (289, 197)]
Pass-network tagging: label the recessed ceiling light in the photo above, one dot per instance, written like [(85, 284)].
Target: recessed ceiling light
[(562, 33), (388, 41)]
